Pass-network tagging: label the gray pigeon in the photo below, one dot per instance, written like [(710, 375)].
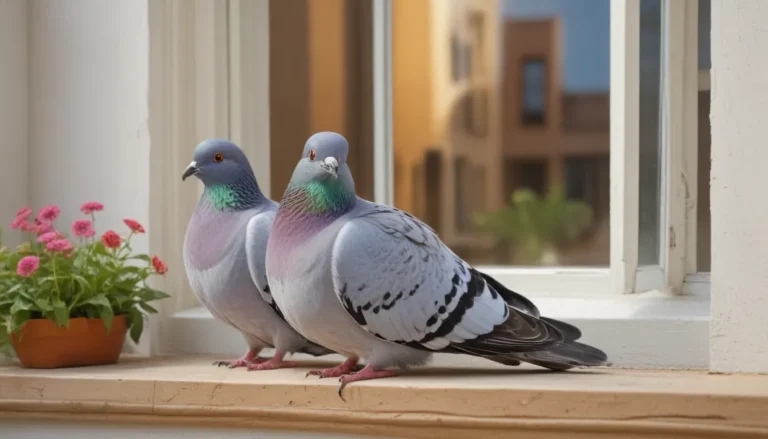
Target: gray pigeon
[(224, 255), (373, 282)]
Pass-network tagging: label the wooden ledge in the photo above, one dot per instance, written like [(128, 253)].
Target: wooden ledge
[(450, 403)]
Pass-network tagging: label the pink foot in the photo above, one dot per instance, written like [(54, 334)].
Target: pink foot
[(249, 358), (349, 365), (368, 373), (276, 362)]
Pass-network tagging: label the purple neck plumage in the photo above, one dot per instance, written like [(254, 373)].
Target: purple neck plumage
[(308, 208)]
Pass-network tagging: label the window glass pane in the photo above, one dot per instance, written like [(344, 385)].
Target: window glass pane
[(496, 100), (703, 234), (650, 132), (534, 91), (321, 79)]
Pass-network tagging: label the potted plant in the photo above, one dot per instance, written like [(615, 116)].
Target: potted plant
[(70, 302), (535, 226)]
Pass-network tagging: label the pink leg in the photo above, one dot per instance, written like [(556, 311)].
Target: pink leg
[(276, 362), (249, 358), (368, 373), (348, 366)]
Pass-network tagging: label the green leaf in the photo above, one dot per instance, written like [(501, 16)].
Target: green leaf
[(149, 294), (83, 282), (144, 258), (137, 324), (60, 313), (43, 304), (148, 308), (19, 318), (105, 308), (21, 304)]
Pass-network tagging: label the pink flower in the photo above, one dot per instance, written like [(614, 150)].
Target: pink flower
[(83, 228), (49, 213), (110, 239), (90, 207), (24, 213), (48, 237), (27, 227), (134, 225), (27, 266), (159, 265), (19, 223), (59, 245), (42, 227)]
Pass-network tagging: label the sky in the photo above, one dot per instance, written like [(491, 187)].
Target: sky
[(586, 35)]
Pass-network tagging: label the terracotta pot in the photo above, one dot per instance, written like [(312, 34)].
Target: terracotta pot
[(43, 345)]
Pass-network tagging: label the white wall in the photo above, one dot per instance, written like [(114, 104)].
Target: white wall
[(739, 328), (88, 110), (13, 111)]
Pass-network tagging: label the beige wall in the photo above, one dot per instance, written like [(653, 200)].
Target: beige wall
[(320, 81), (411, 95)]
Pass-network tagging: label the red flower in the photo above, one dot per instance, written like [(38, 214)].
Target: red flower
[(110, 239), (159, 265), (134, 225), (90, 207)]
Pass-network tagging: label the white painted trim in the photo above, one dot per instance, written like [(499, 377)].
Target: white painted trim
[(674, 176), (383, 151), (249, 84), (698, 284), (639, 330), (554, 281), (649, 278), (625, 121), (691, 86)]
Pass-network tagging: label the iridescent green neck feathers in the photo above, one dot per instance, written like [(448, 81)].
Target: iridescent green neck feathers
[(237, 196)]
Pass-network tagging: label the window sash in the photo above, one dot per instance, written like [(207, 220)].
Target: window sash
[(680, 81), (180, 115)]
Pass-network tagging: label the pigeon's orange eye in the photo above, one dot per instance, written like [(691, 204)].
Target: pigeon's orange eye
[(311, 154), (218, 157)]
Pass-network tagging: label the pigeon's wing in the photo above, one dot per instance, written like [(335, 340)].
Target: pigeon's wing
[(396, 278), (257, 235)]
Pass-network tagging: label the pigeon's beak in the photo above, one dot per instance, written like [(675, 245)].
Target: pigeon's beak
[(192, 169), (331, 165)]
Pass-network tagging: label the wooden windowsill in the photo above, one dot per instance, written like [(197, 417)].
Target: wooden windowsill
[(427, 403)]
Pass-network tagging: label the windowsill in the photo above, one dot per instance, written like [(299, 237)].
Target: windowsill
[(438, 402), (637, 330)]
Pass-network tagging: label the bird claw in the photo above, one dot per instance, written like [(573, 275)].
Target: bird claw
[(367, 373), (345, 368)]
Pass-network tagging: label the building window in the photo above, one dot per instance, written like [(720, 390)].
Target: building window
[(534, 74)]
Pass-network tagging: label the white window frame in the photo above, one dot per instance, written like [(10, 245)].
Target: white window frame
[(673, 309)]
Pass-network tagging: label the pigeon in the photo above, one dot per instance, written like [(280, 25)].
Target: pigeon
[(373, 282), (224, 256)]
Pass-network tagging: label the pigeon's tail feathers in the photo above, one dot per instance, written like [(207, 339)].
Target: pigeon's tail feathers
[(315, 349), (563, 357), (569, 332)]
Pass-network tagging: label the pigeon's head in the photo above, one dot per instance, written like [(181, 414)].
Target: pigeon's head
[(218, 161), (324, 158)]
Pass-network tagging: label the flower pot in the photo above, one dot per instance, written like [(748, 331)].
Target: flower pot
[(85, 342)]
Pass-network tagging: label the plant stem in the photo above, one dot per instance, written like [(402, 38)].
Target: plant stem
[(55, 279)]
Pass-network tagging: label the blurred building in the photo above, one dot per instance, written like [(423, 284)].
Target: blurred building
[(446, 114), (553, 137)]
